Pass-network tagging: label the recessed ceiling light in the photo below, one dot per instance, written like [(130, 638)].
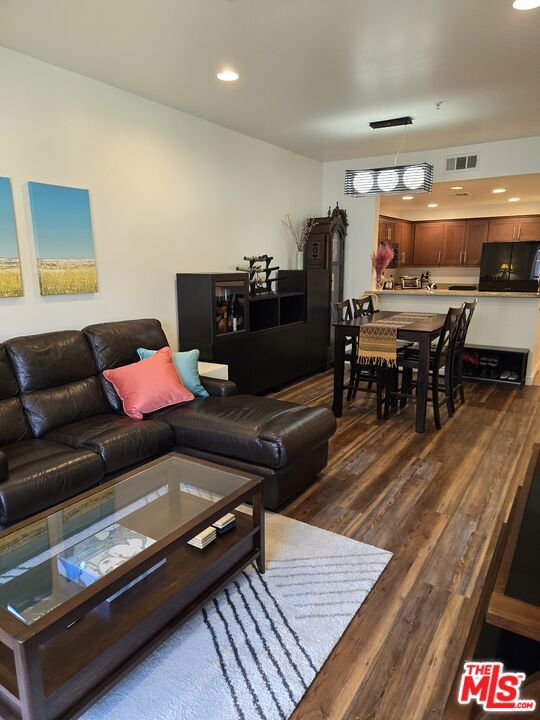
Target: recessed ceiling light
[(496, 191), (514, 199), (228, 75), (456, 187), (433, 205), (526, 4), (408, 197)]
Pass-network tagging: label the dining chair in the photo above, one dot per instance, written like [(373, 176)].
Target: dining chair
[(441, 358), (341, 311), (457, 362), (363, 306)]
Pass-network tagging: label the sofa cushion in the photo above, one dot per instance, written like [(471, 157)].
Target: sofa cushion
[(4, 467), (47, 409), (13, 425), (50, 359), (42, 474), (256, 429), (115, 343), (187, 365), (119, 440), (8, 383), (149, 385)]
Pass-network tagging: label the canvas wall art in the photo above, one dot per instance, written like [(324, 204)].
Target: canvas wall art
[(10, 266), (63, 238)]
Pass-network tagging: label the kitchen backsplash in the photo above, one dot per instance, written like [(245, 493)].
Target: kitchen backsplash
[(446, 276)]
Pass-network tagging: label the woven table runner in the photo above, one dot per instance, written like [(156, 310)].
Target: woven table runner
[(378, 339)]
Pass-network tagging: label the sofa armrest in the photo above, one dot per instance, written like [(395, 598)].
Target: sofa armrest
[(218, 388), (4, 471)]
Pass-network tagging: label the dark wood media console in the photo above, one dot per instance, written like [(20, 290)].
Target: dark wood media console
[(267, 340)]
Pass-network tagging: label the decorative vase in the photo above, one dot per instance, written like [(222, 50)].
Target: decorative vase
[(299, 259), (379, 280)]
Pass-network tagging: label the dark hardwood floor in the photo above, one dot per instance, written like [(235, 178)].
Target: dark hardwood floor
[(437, 501)]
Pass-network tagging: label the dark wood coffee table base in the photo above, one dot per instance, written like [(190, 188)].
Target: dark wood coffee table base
[(61, 671)]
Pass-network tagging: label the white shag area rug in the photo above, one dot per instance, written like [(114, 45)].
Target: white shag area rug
[(252, 652)]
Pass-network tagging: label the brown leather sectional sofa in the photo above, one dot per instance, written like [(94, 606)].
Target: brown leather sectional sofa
[(62, 429)]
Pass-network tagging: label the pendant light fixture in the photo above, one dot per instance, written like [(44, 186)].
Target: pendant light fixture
[(417, 177)]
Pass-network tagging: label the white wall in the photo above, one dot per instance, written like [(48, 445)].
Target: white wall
[(509, 157), (169, 193)]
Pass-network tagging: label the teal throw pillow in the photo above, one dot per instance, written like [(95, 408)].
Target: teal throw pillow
[(187, 365)]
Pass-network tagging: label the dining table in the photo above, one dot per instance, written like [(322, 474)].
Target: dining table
[(424, 331)]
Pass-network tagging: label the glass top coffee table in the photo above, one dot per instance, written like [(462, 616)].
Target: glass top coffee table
[(89, 587)]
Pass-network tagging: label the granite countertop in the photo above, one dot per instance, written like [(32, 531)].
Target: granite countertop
[(463, 293)]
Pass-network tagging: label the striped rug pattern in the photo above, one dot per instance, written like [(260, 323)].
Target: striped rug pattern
[(253, 651)]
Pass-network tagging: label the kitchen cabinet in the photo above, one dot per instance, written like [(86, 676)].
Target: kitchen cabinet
[(476, 234), (503, 229), (515, 228), (385, 230), (405, 242), (398, 233), (428, 243), (453, 248), (449, 243), (529, 228), (453, 243)]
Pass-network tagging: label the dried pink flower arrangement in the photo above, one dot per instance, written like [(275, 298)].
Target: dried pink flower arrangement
[(381, 260)]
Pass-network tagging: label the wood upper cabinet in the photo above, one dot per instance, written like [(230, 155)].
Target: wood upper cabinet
[(503, 229), (453, 243), (514, 229), (399, 233), (449, 243), (428, 243), (529, 228), (385, 230), (476, 234), (406, 244)]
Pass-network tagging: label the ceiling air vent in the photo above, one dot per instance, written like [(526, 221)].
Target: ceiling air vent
[(462, 194), (462, 162)]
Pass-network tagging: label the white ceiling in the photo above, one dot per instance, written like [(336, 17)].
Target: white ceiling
[(313, 72), (479, 200)]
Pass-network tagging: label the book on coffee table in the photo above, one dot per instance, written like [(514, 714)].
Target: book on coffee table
[(204, 538), (227, 522)]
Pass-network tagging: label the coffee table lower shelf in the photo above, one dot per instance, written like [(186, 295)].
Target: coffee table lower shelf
[(110, 639)]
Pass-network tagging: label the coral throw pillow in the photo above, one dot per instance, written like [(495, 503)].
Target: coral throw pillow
[(148, 385)]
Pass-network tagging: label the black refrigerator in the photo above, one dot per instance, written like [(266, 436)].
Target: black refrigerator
[(510, 267)]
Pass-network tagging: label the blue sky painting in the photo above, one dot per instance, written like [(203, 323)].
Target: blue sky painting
[(10, 268), (63, 239), (61, 219)]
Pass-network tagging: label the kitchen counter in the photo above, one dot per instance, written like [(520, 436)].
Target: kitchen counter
[(500, 320), (460, 293)]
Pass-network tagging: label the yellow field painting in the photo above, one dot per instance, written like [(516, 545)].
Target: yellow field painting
[(10, 278), (66, 276)]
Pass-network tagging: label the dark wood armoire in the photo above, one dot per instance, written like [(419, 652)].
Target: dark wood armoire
[(324, 260)]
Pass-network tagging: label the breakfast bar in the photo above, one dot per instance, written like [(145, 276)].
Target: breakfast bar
[(510, 319)]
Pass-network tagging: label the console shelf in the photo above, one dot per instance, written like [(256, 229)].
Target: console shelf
[(276, 341)]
